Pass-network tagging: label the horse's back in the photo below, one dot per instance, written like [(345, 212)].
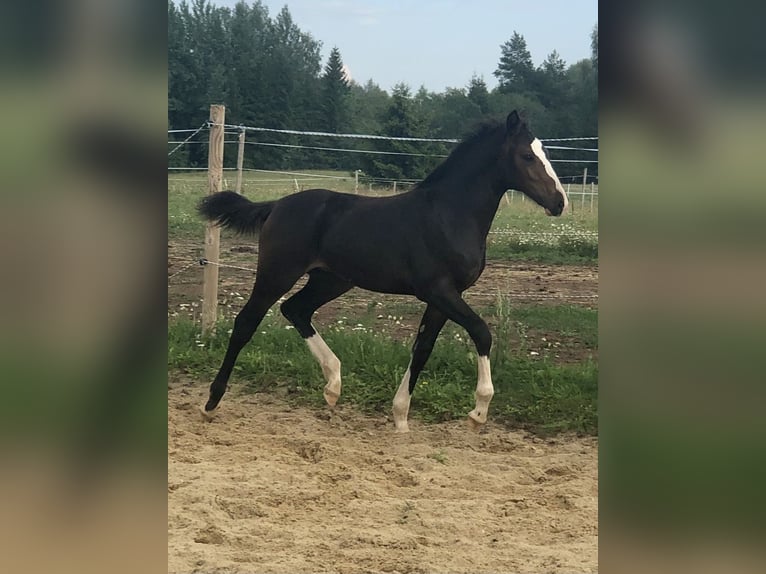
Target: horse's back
[(297, 227), (362, 239)]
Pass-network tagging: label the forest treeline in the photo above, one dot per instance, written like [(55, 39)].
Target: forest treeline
[(269, 73)]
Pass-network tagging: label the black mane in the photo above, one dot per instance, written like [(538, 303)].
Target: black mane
[(471, 149)]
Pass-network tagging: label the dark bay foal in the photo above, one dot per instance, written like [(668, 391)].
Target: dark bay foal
[(429, 242)]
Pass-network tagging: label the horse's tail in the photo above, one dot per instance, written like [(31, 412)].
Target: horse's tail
[(234, 211)]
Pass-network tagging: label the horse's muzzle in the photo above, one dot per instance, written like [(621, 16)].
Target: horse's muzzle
[(558, 210)]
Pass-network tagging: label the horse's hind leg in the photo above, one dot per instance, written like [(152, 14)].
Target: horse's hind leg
[(265, 293), (430, 327), (321, 288)]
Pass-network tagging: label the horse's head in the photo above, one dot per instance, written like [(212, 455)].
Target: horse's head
[(527, 168)]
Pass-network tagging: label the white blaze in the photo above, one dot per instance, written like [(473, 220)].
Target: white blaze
[(537, 148)]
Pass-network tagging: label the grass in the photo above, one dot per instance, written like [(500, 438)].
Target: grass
[(438, 456), (531, 392), (525, 232)]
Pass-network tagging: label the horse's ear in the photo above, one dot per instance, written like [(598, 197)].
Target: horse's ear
[(513, 122)]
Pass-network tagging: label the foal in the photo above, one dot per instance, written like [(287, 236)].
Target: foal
[(429, 242)]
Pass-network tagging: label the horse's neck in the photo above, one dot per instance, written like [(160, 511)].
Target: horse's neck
[(476, 201)]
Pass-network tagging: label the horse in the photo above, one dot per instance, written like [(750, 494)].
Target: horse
[(429, 242)]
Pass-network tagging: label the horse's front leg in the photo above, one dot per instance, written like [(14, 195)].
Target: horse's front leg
[(451, 303)]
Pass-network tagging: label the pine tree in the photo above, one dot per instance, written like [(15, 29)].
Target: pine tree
[(515, 70), (552, 83), (400, 121), (335, 92), (478, 93)]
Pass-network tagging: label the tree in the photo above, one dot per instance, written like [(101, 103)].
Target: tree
[(515, 70), (335, 92), (594, 46), (367, 105), (454, 114), (268, 72), (552, 83), (400, 121), (581, 114), (478, 93), (335, 109)]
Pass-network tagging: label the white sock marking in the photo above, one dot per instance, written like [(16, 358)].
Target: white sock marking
[(402, 402), (537, 148), (330, 365), (484, 391)]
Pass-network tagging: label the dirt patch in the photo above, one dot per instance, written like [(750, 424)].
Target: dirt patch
[(267, 487)]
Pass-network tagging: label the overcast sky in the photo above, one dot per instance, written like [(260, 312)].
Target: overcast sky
[(439, 43)]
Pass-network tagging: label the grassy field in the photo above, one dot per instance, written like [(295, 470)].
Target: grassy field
[(544, 360), (520, 232), (532, 389)]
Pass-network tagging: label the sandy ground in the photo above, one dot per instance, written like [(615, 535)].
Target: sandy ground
[(267, 487)]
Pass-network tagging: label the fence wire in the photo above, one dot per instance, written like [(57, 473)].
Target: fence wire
[(199, 129)]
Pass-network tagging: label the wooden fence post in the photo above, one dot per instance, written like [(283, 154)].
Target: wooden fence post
[(582, 197), (240, 159), (212, 232)]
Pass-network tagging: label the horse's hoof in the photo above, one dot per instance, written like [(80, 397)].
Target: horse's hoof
[(207, 416), (401, 427), (474, 423), (331, 397)]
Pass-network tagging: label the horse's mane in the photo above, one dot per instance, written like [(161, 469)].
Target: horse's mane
[(465, 150)]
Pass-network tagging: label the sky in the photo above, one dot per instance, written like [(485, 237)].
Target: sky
[(438, 43)]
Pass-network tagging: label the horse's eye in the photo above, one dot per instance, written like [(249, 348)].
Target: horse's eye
[(529, 157)]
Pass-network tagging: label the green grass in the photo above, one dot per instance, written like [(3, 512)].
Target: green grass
[(530, 392), (567, 321), (555, 240)]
